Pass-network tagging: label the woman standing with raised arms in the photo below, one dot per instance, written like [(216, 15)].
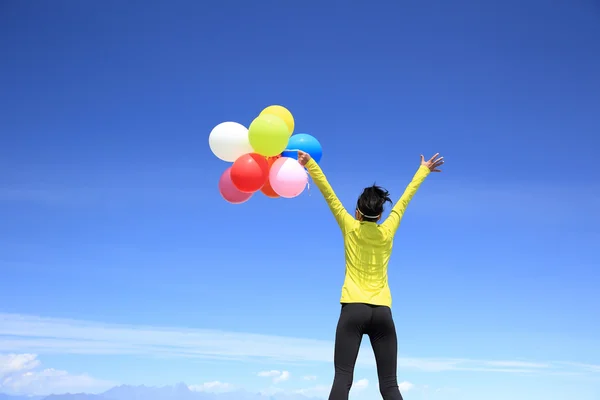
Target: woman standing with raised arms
[(366, 299)]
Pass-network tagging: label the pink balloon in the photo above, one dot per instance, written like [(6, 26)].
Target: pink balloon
[(287, 177), (228, 190)]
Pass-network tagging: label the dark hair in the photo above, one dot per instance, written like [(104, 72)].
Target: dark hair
[(371, 202)]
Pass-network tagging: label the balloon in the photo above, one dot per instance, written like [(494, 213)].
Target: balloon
[(250, 172), (287, 177), (267, 189), (229, 140), (228, 190), (305, 142), (268, 135), (282, 113)]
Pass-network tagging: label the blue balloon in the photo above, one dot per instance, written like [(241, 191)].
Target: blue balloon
[(305, 142)]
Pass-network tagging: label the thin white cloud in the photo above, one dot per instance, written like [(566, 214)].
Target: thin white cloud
[(405, 386), (213, 387), (323, 390), (310, 378), (586, 367), (360, 384), (32, 334), (278, 376), (19, 374), (270, 391), (285, 375), (269, 374), (315, 391), (12, 363), (517, 364)]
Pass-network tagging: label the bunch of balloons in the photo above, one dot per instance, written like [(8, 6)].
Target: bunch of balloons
[(264, 156)]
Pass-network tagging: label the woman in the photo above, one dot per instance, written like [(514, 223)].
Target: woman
[(366, 299)]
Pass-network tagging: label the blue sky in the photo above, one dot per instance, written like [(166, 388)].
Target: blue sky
[(120, 262)]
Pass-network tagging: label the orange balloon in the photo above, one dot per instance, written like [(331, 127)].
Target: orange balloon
[(267, 190)]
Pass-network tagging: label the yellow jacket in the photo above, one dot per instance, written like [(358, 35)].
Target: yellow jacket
[(368, 245)]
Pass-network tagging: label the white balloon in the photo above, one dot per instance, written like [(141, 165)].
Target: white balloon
[(229, 140)]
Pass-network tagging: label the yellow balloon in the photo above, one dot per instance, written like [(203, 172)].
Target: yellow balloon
[(282, 113), (267, 135)]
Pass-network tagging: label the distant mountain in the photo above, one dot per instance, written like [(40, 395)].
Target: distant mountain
[(74, 396), (177, 392), (10, 397), (182, 392)]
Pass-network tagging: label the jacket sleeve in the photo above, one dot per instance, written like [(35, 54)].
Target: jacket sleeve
[(343, 218), (392, 222)]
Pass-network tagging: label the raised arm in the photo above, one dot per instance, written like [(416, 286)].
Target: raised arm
[(343, 218), (392, 222)]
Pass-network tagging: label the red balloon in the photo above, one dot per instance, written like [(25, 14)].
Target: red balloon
[(250, 172), (267, 190)]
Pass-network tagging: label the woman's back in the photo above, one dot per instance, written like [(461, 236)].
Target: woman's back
[(368, 245)]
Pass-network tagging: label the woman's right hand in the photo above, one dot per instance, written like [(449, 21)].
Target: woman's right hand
[(303, 157), (433, 163)]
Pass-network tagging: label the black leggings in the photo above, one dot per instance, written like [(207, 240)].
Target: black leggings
[(357, 319)]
